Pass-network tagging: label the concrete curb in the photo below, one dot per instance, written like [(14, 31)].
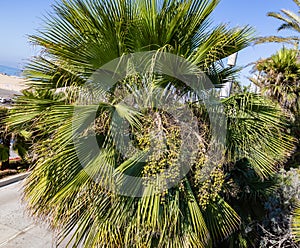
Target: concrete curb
[(12, 179)]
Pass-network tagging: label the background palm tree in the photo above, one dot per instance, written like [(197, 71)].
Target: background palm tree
[(78, 38), (278, 78)]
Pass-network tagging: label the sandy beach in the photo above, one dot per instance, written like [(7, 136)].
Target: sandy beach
[(10, 85)]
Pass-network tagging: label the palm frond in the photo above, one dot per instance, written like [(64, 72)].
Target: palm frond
[(254, 120), (296, 224)]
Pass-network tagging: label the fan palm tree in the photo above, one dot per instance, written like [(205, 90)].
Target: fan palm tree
[(79, 38), (291, 21)]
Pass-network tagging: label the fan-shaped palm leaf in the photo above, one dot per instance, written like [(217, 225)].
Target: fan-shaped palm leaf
[(69, 186), (296, 224)]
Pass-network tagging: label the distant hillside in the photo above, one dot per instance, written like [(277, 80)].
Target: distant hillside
[(10, 71)]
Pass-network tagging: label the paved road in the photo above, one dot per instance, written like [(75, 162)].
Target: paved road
[(17, 230)]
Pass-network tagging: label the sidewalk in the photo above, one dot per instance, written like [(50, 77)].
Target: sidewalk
[(17, 230)]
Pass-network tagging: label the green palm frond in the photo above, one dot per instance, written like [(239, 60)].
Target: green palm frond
[(291, 21), (81, 37), (71, 180), (278, 39), (4, 153), (296, 224), (221, 219), (250, 119)]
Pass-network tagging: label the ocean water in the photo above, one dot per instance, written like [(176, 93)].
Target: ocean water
[(10, 71)]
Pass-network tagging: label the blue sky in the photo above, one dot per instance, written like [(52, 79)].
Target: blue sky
[(19, 18)]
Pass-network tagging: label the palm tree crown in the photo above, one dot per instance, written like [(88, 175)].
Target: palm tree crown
[(79, 38), (278, 78)]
